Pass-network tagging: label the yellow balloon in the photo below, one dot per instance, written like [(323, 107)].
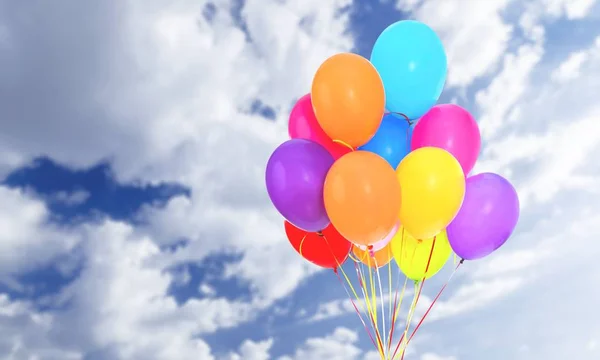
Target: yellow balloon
[(432, 186), (412, 255)]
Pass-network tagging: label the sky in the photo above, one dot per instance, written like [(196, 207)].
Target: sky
[(135, 222)]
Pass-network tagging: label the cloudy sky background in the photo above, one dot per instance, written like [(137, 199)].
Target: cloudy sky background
[(134, 219)]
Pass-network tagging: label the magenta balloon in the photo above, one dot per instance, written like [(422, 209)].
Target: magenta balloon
[(295, 177), (487, 218), (451, 128)]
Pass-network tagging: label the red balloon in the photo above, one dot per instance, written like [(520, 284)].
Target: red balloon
[(303, 124), (328, 249)]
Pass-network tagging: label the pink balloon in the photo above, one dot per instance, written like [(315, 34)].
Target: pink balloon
[(451, 128), (383, 242), (303, 124)]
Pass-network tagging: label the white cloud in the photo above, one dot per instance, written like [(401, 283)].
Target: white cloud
[(120, 305), (496, 102), (121, 301), (164, 95), (571, 9), (571, 68), (207, 290), (542, 135), (340, 345), (251, 350), (28, 238), (24, 333), (73, 198), (432, 356), (163, 92)]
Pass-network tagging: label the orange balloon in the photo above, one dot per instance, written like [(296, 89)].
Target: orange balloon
[(362, 197), (380, 258), (348, 98)]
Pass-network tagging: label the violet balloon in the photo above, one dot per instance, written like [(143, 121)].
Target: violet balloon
[(487, 218), (295, 177)]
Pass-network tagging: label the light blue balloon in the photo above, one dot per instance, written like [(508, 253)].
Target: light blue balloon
[(411, 61), (391, 141)]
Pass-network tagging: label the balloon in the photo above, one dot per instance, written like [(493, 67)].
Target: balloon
[(452, 128), (304, 125), (433, 188), (327, 249), (487, 218), (392, 140), (412, 255), (381, 243), (412, 63), (295, 176), (348, 98), (362, 197), (380, 258)]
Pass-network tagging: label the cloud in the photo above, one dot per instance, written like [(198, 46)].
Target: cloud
[(571, 68), (250, 350), (340, 345), (120, 305), (28, 239), (70, 198), (166, 94), (432, 356), (25, 332)]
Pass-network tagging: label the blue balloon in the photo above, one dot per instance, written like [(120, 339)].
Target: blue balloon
[(411, 61), (391, 141)]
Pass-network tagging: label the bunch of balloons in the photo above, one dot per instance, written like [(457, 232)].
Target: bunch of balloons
[(376, 171), (360, 168)]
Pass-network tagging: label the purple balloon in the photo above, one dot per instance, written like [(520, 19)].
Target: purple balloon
[(295, 177), (487, 218)]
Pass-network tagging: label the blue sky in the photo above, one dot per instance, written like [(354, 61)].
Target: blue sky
[(136, 224)]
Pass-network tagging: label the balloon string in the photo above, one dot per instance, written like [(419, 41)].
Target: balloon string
[(344, 143), (340, 267), (397, 307), (409, 317), (363, 285), (373, 293), (409, 121), (422, 284), (391, 309), (372, 287), (353, 258), (300, 246), (373, 299), (355, 308), (416, 300), (382, 303), (435, 300)]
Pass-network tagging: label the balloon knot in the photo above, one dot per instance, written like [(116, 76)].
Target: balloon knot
[(462, 261), (335, 270), (320, 233), (370, 250)]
